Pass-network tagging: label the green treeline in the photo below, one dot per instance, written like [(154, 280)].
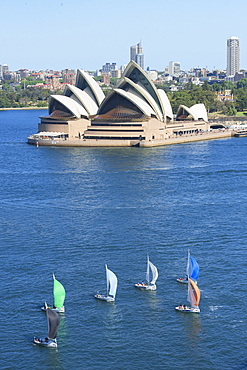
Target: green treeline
[(207, 94), (24, 96), (21, 95)]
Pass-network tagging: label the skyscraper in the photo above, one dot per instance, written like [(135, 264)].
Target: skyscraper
[(137, 55), (174, 68), (233, 56)]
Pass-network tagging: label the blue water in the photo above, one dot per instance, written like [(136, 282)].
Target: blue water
[(71, 210)]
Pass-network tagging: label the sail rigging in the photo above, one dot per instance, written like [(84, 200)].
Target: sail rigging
[(192, 269), (154, 273), (59, 293), (194, 294), (151, 277), (53, 321), (111, 282)]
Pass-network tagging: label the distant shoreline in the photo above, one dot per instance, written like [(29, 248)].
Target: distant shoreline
[(24, 108)]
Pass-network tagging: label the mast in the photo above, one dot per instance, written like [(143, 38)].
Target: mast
[(147, 272), (107, 280), (188, 264)]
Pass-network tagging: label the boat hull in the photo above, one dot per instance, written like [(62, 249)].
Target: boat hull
[(182, 281), (188, 309), (146, 286), (240, 134), (44, 342), (57, 309), (104, 298)]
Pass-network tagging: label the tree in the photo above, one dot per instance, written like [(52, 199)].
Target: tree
[(242, 83)]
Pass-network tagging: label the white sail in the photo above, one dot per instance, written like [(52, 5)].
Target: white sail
[(188, 264), (111, 281), (154, 273), (147, 272)]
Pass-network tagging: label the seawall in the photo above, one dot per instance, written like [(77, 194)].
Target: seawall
[(212, 135)]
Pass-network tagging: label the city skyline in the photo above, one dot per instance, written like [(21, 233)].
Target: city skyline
[(76, 34)]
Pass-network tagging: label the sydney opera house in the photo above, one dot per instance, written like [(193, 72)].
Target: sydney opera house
[(134, 113)]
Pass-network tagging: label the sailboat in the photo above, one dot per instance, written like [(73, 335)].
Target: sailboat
[(192, 270), (59, 295), (111, 287), (53, 321), (149, 284), (193, 297)]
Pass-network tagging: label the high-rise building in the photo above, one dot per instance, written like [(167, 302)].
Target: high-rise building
[(174, 68), (5, 68), (136, 54), (233, 56), (108, 67)]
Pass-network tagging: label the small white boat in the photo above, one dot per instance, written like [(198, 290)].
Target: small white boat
[(192, 270), (59, 295), (193, 297), (53, 321), (111, 287), (240, 133), (149, 285)]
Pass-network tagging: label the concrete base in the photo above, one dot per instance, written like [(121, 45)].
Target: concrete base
[(217, 134), (189, 138)]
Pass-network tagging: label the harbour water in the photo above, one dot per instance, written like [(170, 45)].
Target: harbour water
[(69, 211)]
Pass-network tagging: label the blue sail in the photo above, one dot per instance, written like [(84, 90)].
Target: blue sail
[(193, 269)]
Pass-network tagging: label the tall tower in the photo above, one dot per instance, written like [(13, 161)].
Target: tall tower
[(233, 56), (174, 68), (136, 54)]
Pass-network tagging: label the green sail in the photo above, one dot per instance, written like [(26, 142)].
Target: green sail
[(58, 293)]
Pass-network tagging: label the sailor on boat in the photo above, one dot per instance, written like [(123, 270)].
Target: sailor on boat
[(150, 284), (193, 297), (53, 321), (192, 270), (111, 287)]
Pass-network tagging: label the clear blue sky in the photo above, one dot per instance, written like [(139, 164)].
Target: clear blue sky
[(59, 34)]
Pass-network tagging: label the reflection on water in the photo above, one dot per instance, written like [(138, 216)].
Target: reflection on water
[(112, 325), (62, 333), (113, 317), (191, 327), (53, 359), (152, 300)]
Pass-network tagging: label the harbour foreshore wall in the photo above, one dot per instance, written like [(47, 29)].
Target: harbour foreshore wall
[(213, 135)]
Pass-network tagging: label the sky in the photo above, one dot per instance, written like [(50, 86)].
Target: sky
[(86, 34)]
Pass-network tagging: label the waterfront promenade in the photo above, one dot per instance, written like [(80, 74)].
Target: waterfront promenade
[(210, 135)]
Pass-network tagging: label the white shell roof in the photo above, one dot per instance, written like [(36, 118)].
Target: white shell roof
[(136, 100), (165, 103), (130, 67), (94, 86), (197, 111), (75, 108), (86, 100), (144, 93)]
